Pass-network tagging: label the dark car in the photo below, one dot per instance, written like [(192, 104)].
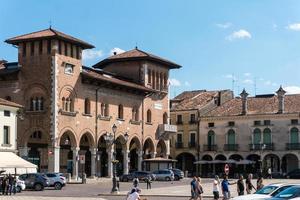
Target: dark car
[(141, 175), (289, 193), (293, 174), (178, 174), (35, 181)]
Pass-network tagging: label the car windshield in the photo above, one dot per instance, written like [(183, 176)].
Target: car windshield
[(289, 193), (266, 190)]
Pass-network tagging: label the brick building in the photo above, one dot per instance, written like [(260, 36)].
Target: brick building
[(70, 109)]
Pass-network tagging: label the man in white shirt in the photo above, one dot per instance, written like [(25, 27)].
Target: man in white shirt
[(134, 195)]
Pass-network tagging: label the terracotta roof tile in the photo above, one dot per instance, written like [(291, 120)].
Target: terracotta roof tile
[(257, 105), (48, 33), (135, 54), (9, 103)]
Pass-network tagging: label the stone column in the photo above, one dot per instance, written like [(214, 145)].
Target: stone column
[(75, 162), (109, 161), (53, 159), (125, 161), (153, 155), (98, 164), (140, 159), (93, 161)]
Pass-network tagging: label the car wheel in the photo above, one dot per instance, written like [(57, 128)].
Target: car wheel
[(57, 186), (18, 189), (38, 187), (167, 178)]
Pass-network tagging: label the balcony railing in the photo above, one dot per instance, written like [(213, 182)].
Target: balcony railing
[(292, 146), (179, 145), (231, 147), (261, 147), (212, 147), (192, 144)]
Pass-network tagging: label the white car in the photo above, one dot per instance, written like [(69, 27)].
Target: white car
[(20, 185), (266, 192)]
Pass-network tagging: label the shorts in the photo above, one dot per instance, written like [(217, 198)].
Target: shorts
[(216, 194)]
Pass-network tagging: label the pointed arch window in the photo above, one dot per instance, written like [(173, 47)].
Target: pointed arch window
[(36, 103), (120, 112), (165, 118), (135, 114), (87, 106), (149, 116)]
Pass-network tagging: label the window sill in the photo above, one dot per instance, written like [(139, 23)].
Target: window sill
[(35, 111), (68, 113), (6, 145), (86, 115), (120, 119), (134, 122), (104, 118), (148, 123)]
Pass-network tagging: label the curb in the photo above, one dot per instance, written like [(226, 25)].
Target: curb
[(154, 195)]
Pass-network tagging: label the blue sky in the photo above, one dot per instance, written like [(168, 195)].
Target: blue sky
[(253, 42)]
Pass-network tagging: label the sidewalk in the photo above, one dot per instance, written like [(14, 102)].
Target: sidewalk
[(16, 197)]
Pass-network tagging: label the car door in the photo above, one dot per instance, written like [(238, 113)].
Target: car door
[(31, 180), (51, 178)]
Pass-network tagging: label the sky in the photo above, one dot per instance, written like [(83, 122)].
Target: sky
[(232, 44)]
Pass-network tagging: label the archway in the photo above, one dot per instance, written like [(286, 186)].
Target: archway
[(289, 163), (206, 169), (102, 158), (134, 149), (161, 149), (86, 142), (185, 162), (120, 146), (219, 167), (271, 161), (148, 149), (67, 141), (255, 167), (234, 168)]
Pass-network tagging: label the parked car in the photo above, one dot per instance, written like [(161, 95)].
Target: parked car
[(56, 180), (178, 174), (35, 181), (266, 192), (293, 174), (141, 175), (291, 193), (164, 175), (20, 185)]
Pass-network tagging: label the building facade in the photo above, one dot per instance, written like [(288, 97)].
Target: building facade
[(69, 109)]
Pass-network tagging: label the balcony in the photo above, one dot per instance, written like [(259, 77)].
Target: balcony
[(212, 147), (192, 122), (261, 147), (179, 122), (167, 130), (292, 146), (179, 145), (192, 144), (231, 147)]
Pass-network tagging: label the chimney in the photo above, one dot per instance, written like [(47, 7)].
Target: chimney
[(115, 53), (244, 96), (280, 95)]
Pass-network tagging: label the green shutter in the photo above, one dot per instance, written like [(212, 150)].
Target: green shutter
[(231, 137), (294, 135), (211, 138), (256, 136), (267, 136)]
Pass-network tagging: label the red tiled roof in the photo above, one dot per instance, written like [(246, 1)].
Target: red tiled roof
[(9, 103), (48, 33), (193, 99), (257, 105), (136, 54), (114, 80)]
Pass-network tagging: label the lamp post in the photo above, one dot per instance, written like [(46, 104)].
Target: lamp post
[(111, 138)]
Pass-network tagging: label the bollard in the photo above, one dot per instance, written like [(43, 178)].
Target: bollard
[(84, 178), (69, 177)]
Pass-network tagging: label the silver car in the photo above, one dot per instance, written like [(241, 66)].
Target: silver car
[(164, 175), (56, 180)]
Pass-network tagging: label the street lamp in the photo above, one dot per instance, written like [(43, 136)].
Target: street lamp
[(111, 138)]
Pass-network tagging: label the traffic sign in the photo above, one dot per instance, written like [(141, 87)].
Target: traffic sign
[(82, 159)]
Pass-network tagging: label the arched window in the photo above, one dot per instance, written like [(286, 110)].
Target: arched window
[(87, 106), (102, 109), (106, 111), (165, 118), (294, 135), (267, 139), (231, 137), (210, 138), (135, 114), (36, 103), (63, 101), (149, 116), (256, 136), (120, 111)]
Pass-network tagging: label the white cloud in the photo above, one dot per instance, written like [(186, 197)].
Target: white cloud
[(292, 89), (268, 83), (247, 74), (91, 54), (225, 25), (294, 27), (248, 81), (241, 34), (186, 83), (174, 82), (117, 50), (230, 76)]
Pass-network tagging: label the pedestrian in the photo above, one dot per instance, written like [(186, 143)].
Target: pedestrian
[(241, 186), (193, 188), (216, 188), (148, 181), (134, 194), (3, 186), (270, 173), (249, 185), (10, 184), (136, 182), (199, 189), (259, 183), (225, 188)]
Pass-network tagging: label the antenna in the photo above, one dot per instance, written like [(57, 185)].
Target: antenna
[(50, 23), (255, 86), (233, 82)]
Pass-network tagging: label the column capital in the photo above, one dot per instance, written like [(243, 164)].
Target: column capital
[(125, 151), (93, 151), (75, 149)]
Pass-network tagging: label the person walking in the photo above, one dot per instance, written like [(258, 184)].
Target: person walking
[(148, 181), (136, 182), (193, 188), (270, 173), (259, 183), (199, 189), (134, 194), (216, 188), (3, 186), (249, 185), (241, 186), (225, 188)]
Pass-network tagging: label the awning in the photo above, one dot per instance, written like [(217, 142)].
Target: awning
[(230, 161), (159, 159), (12, 163)]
